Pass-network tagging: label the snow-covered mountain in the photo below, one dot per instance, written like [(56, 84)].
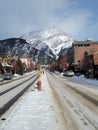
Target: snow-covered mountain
[(19, 47), (43, 46), (54, 38)]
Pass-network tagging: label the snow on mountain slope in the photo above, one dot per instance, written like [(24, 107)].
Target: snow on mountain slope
[(55, 38)]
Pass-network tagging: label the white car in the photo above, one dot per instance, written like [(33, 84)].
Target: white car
[(69, 73)]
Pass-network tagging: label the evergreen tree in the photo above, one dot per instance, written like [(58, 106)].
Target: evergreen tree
[(20, 67)]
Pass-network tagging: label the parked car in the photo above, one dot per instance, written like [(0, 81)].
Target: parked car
[(1, 79), (1, 76), (8, 76), (69, 73), (77, 73)]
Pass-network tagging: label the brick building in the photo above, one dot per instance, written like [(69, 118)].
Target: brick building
[(96, 58), (79, 48), (80, 55), (62, 63)]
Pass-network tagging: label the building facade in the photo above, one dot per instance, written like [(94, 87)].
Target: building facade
[(28, 63), (76, 53)]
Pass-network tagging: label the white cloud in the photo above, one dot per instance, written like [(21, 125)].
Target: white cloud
[(21, 16), (75, 22)]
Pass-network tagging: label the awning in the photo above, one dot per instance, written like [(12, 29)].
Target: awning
[(7, 65)]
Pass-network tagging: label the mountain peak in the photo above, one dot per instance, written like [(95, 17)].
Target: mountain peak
[(55, 38)]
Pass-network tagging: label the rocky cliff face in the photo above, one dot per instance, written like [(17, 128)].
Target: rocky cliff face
[(19, 47)]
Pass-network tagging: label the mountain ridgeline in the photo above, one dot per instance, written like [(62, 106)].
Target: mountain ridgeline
[(43, 46)]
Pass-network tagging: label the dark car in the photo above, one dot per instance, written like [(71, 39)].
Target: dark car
[(8, 76), (77, 73)]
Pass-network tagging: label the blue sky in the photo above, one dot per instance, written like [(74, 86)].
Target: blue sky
[(78, 18)]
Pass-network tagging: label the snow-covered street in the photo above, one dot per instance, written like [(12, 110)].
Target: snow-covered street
[(35, 111), (79, 102), (62, 104)]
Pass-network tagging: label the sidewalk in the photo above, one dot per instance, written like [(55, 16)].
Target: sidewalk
[(34, 112)]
